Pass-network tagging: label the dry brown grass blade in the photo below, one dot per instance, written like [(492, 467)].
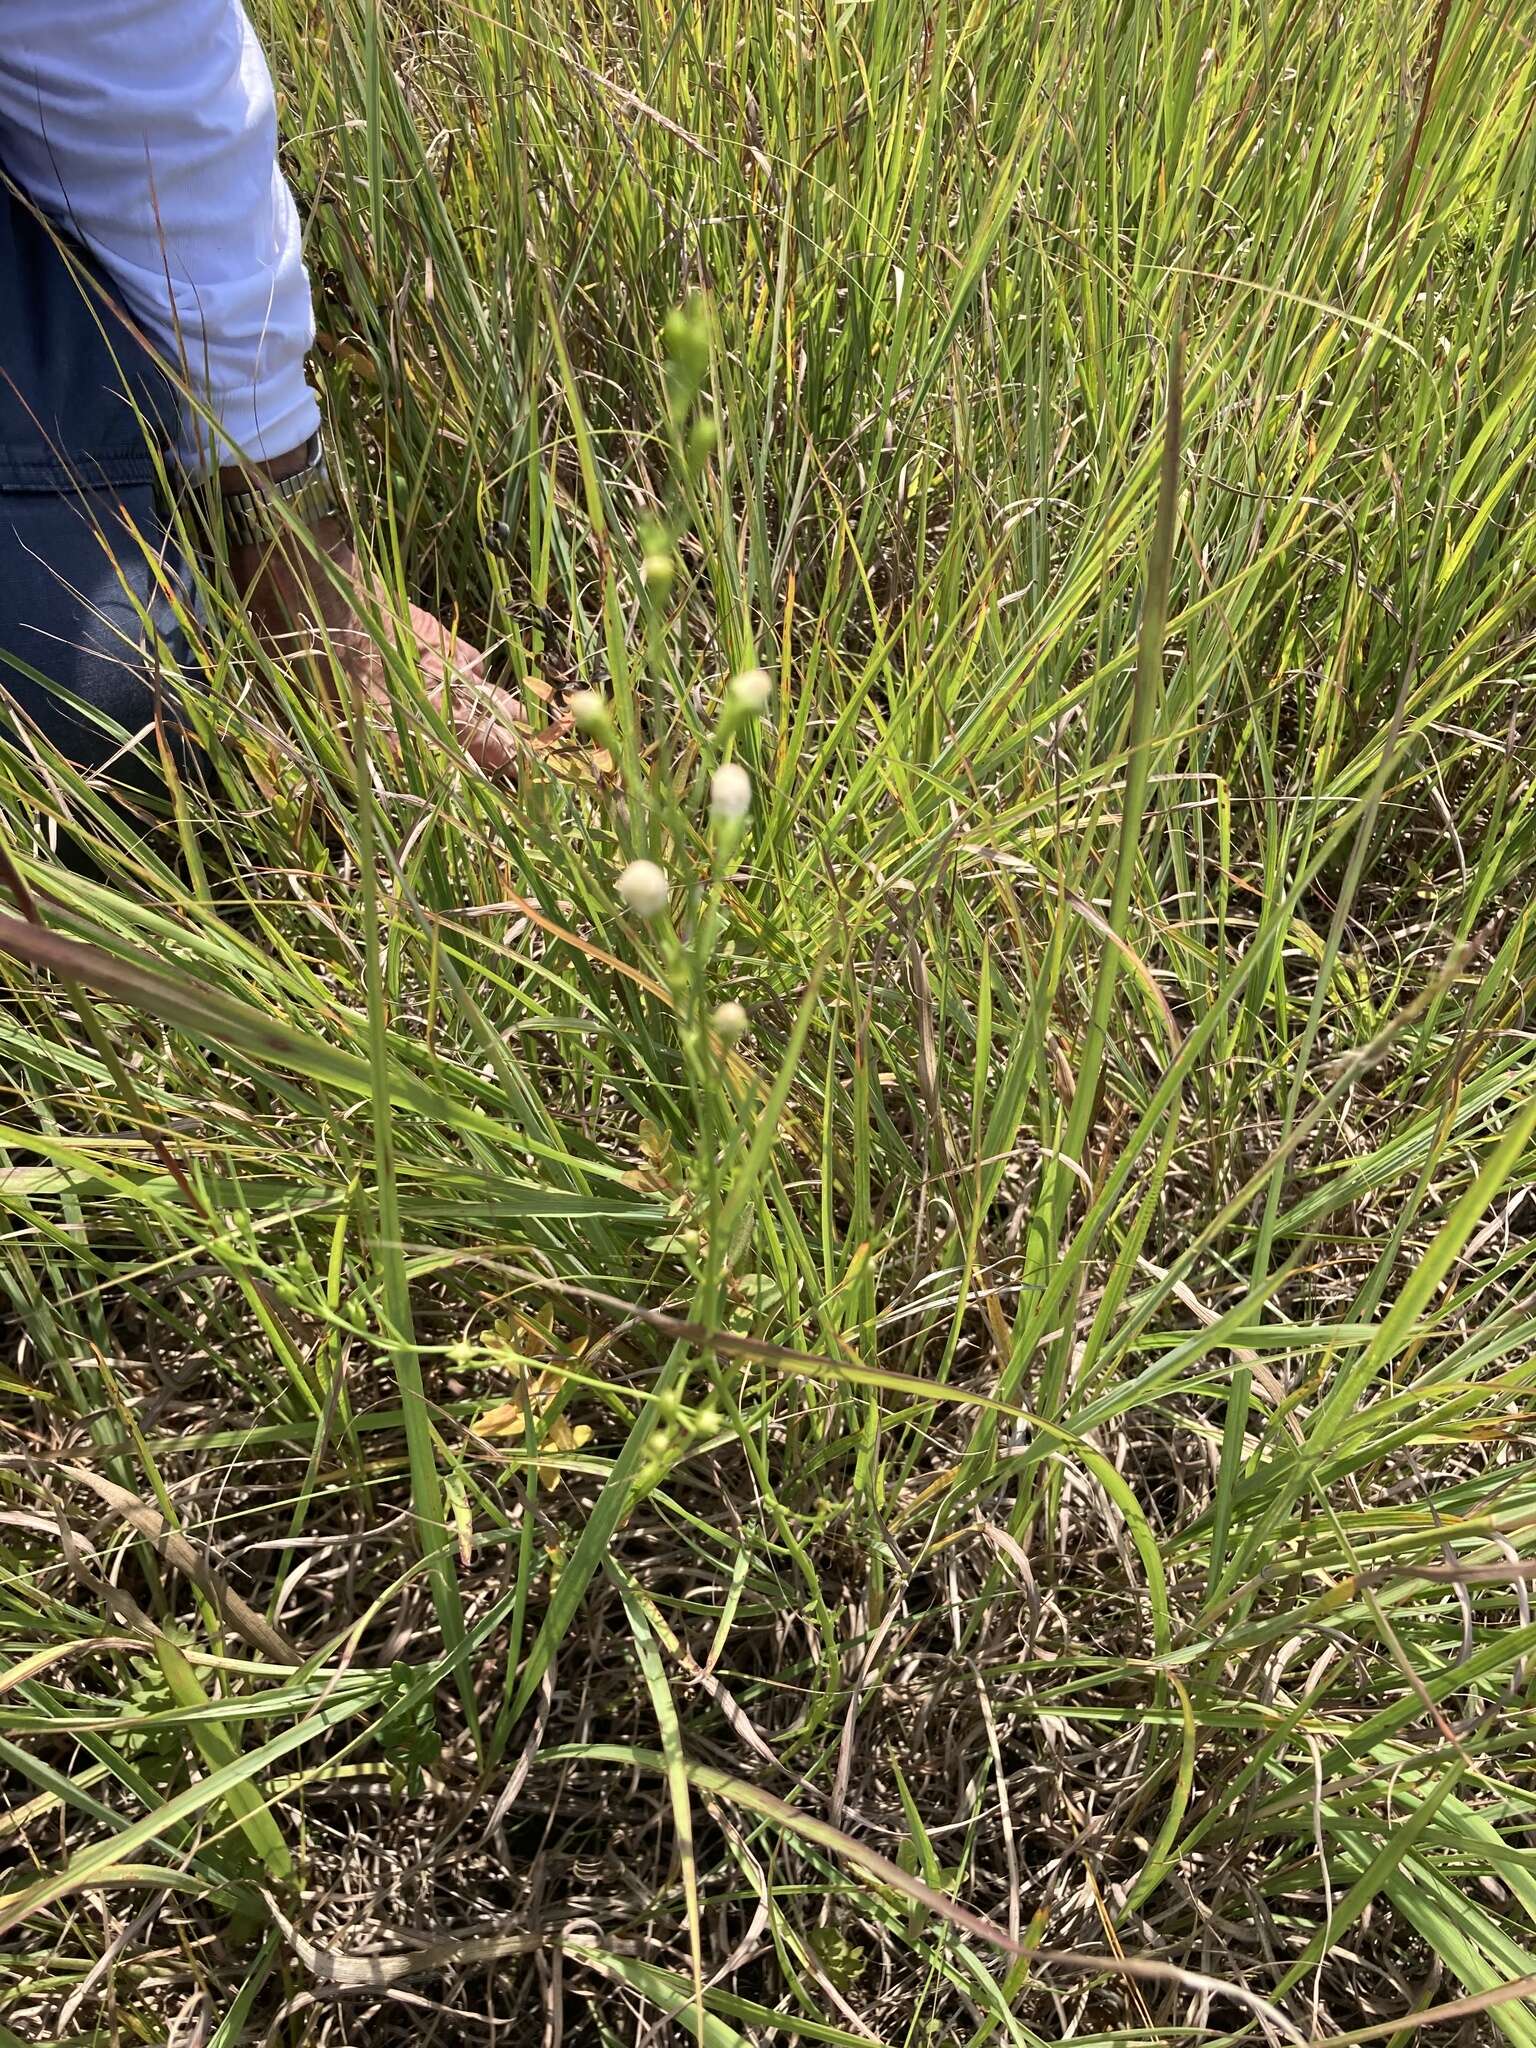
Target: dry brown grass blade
[(58, 1653), (1507, 1572), (125, 981), (1435, 2015), (376, 1973), (177, 1552), (1133, 960)]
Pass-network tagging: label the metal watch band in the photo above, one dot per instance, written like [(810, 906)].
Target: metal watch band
[(254, 517)]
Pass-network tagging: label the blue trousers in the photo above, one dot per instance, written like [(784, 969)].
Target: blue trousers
[(85, 558)]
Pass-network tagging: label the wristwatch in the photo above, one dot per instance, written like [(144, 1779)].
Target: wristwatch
[(253, 518)]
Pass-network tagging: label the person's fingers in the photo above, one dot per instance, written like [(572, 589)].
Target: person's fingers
[(487, 720), (444, 649), (489, 723)]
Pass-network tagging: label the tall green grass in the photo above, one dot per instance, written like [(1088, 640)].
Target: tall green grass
[(998, 1509)]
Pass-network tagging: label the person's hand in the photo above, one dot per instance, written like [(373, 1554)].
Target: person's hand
[(297, 607), (487, 720), (317, 608)]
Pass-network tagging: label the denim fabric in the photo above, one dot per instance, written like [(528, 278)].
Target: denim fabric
[(84, 555)]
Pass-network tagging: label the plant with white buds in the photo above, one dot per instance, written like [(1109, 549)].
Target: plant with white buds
[(730, 1022), (750, 692), (589, 711), (730, 793), (643, 887)]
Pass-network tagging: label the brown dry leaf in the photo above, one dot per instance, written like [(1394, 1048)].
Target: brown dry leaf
[(508, 1420), (171, 1545), (657, 1175), (561, 1436)]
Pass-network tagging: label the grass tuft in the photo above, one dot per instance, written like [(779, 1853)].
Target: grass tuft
[(917, 1426)]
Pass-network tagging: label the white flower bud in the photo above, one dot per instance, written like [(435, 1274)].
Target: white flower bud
[(730, 793), (589, 711), (751, 691), (731, 1023), (644, 888)]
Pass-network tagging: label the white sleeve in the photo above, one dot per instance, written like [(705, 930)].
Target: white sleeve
[(149, 129)]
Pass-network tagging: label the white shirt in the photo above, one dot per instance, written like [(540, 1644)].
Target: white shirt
[(148, 128)]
